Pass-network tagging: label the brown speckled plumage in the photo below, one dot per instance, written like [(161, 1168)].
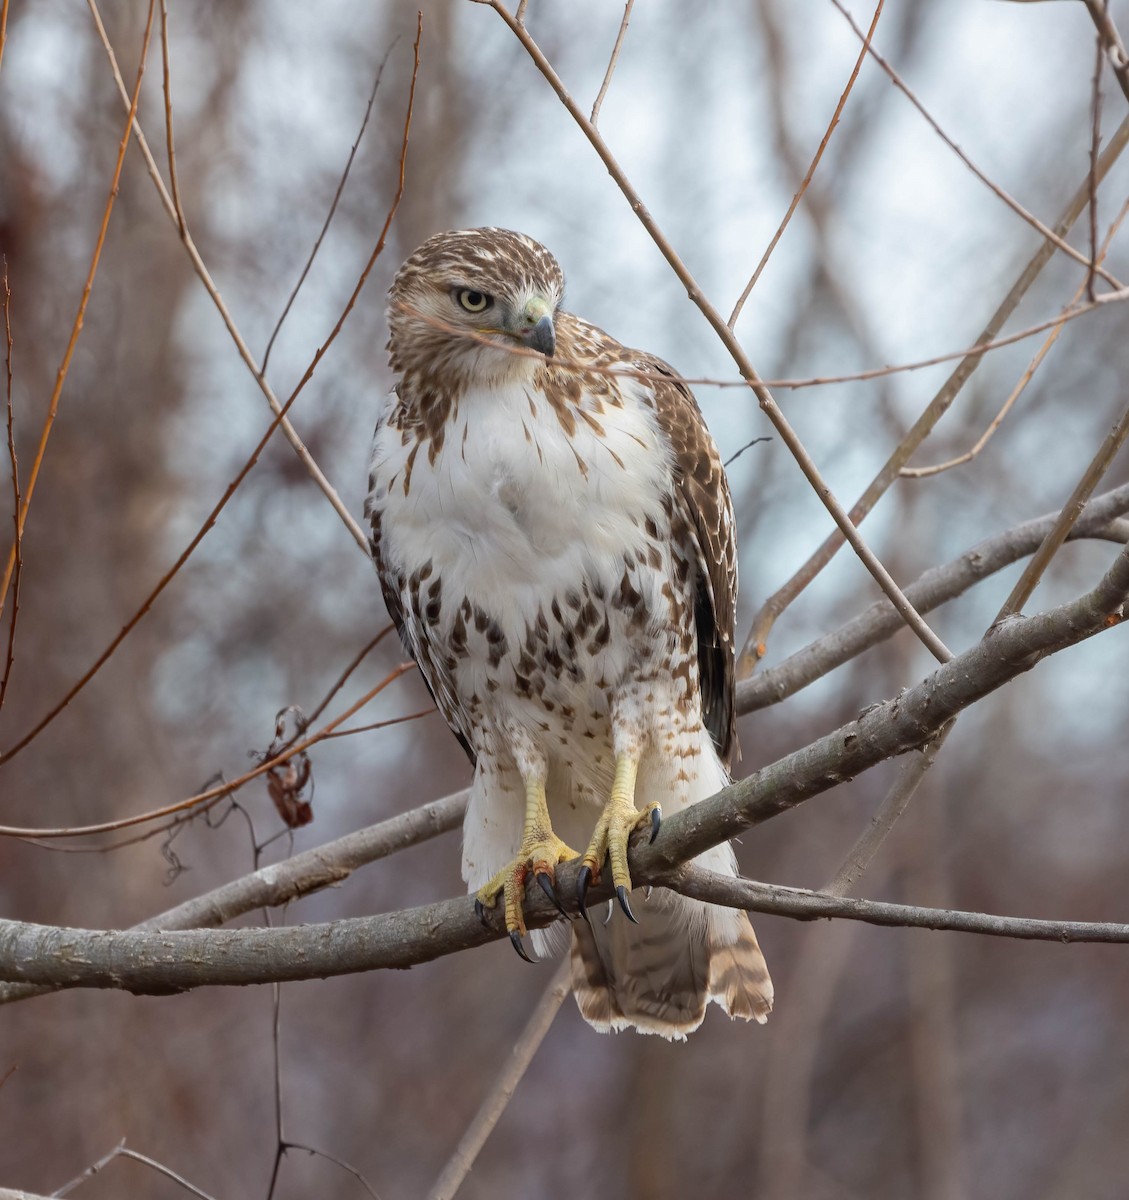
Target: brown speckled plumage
[(555, 544)]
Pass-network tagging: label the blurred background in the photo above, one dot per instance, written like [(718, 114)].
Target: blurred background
[(897, 1063)]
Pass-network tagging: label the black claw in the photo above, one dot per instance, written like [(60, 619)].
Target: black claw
[(549, 887), (656, 823), (621, 894), (480, 912), (515, 941), (583, 881)]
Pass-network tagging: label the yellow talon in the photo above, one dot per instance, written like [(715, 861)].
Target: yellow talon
[(619, 819), (539, 854)]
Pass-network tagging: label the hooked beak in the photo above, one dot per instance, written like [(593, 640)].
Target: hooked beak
[(537, 330)]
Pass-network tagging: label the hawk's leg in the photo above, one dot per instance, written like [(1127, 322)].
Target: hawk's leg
[(613, 831), (540, 852)]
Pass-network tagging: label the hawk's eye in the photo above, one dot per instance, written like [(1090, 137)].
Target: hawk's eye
[(473, 301)]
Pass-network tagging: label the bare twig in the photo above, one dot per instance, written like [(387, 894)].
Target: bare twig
[(810, 906), (504, 1086), (221, 789), (332, 208), (108, 652), (755, 646), (594, 118), (822, 957), (1051, 235), (790, 383), (3, 28), (174, 183), (130, 99), (1095, 147), (733, 316), (895, 802), (1115, 47), (768, 405), (332, 863), (92, 1170), (385, 724), (167, 1172), (1071, 511), (314, 471), (337, 1162), (1028, 374), (14, 465), (279, 420), (343, 678)]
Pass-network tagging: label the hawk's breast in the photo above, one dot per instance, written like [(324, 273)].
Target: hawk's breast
[(532, 550)]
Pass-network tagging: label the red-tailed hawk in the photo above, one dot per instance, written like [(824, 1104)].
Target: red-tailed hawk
[(556, 548)]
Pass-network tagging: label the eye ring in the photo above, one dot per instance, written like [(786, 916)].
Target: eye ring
[(473, 301)]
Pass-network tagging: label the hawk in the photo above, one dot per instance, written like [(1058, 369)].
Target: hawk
[(554, 541)]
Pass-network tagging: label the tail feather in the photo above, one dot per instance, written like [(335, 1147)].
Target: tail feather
[(659, 975), (739, 979)]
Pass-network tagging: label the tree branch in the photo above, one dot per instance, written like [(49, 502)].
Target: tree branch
[(311, 871), (810, 906), (148, 961), (930, 590)]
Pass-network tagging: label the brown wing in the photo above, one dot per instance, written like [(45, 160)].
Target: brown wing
[(704, 516)]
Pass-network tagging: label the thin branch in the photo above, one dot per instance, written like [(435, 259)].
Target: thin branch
[(835, 116), (504, 1086), (594, 118), (790, 383), (337, 1162), (166, 72), (108, 652), (3, 28), (161, 1169), (1115, 47), (14, 465), (130, 100), (343, 678), (332, 208), (201, 269), (90, 1171), (221, 789), (768, 405), (1071, 511), (810, 906), (755, 646), (1029, 372), (148, 962), (932, 589), (279, 420), (1049, 234), (894, 803), (385, 724), (1095, 148)]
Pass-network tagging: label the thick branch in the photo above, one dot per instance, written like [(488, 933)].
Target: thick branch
[(305, 873), (891, 728), (149, 961)]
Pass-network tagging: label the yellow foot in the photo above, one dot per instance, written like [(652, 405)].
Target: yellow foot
[(617, 822), (538, 856)]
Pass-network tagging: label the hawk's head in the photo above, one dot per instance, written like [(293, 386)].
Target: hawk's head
[(501, 288)]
